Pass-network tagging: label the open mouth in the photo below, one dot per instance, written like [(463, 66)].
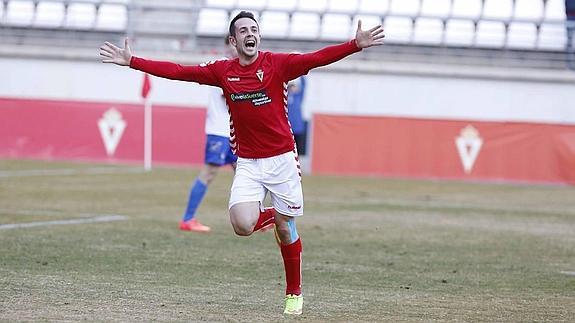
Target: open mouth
[(250, 43)]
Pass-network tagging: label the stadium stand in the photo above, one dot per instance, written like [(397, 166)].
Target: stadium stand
[(455, 31)]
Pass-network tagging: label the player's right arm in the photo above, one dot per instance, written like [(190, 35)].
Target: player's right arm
[(203, 74)]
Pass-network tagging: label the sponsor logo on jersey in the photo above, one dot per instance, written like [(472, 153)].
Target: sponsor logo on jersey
[(233, 79), (257, 98), (297, 207), (468, 145)]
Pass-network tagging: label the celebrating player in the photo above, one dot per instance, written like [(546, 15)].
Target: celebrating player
[(255, 88)]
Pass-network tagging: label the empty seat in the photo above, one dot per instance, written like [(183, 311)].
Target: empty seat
[(459, 32), (335, 27), (112, 17), (80, 16), (522, 35), (49, 14), (470, 9), (274, 24), (498, 9), (250, 5), (428, 31), (282, 5), (555, 10), (213, 22), (398, 29), (436, 8), (315, 5), (20, 13), (304, 25), (373, 7), (552, 37), (490, 34), (404, 8), (348, 6), (528, 10), (223, 4)]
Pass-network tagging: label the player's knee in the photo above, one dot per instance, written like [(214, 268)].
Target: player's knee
[(242, 231), (242, 227)]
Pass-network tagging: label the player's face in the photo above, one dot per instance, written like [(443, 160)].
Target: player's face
[(247, 38)]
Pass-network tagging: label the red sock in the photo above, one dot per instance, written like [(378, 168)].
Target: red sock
[(291, 254), (266, 217)]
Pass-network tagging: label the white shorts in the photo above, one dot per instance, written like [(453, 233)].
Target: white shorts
[(279, 175)]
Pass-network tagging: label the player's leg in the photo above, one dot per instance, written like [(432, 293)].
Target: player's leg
[(291, 251), (215, 156), (247, 194), (287, 199)]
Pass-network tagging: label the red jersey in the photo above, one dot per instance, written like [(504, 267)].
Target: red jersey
[(256, 94)]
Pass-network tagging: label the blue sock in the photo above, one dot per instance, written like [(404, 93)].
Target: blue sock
[(196, 196)]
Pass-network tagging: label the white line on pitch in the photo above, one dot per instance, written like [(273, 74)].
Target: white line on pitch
[(69, 171), (96, 219)]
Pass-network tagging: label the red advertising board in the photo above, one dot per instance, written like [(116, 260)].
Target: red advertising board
[(98, 131), (423, 148)]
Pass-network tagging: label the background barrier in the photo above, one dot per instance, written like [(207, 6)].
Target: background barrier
[(425, 148), (97, 131)]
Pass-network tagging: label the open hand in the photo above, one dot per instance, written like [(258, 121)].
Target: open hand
[(368, 38), (113, 54)]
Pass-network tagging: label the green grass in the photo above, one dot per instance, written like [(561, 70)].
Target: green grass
[(374, 250)]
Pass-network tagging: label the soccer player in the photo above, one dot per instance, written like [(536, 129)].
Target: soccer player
[(255, 87), (217, 152)]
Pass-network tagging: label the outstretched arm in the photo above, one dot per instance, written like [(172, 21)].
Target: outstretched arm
[(299, 64), (113, 54), (203, 74)]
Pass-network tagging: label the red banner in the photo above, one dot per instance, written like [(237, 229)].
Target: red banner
[(111, 132), (422, 148)]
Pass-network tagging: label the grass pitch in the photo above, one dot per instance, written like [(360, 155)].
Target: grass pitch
[(374, 250)]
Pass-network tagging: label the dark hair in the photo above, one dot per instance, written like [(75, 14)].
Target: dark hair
[(242, 14)]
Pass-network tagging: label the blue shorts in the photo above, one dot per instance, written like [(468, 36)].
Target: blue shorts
[(218, 151)]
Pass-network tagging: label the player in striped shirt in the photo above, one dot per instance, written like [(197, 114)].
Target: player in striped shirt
[(255, 87)]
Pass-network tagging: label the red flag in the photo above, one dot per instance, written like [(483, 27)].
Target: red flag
[(146, 86)]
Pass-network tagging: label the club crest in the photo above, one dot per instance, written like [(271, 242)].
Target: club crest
[(260, 75)]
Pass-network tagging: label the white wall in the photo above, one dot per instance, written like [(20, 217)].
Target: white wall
[(74, 80), (328, 92), (443, 98)]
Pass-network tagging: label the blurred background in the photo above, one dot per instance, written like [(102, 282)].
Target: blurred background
[(479, 90)]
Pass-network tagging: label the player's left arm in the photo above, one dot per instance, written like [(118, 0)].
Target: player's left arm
[(299, 64)]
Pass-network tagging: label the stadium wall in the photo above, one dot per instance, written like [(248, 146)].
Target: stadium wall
[(34, 91)]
